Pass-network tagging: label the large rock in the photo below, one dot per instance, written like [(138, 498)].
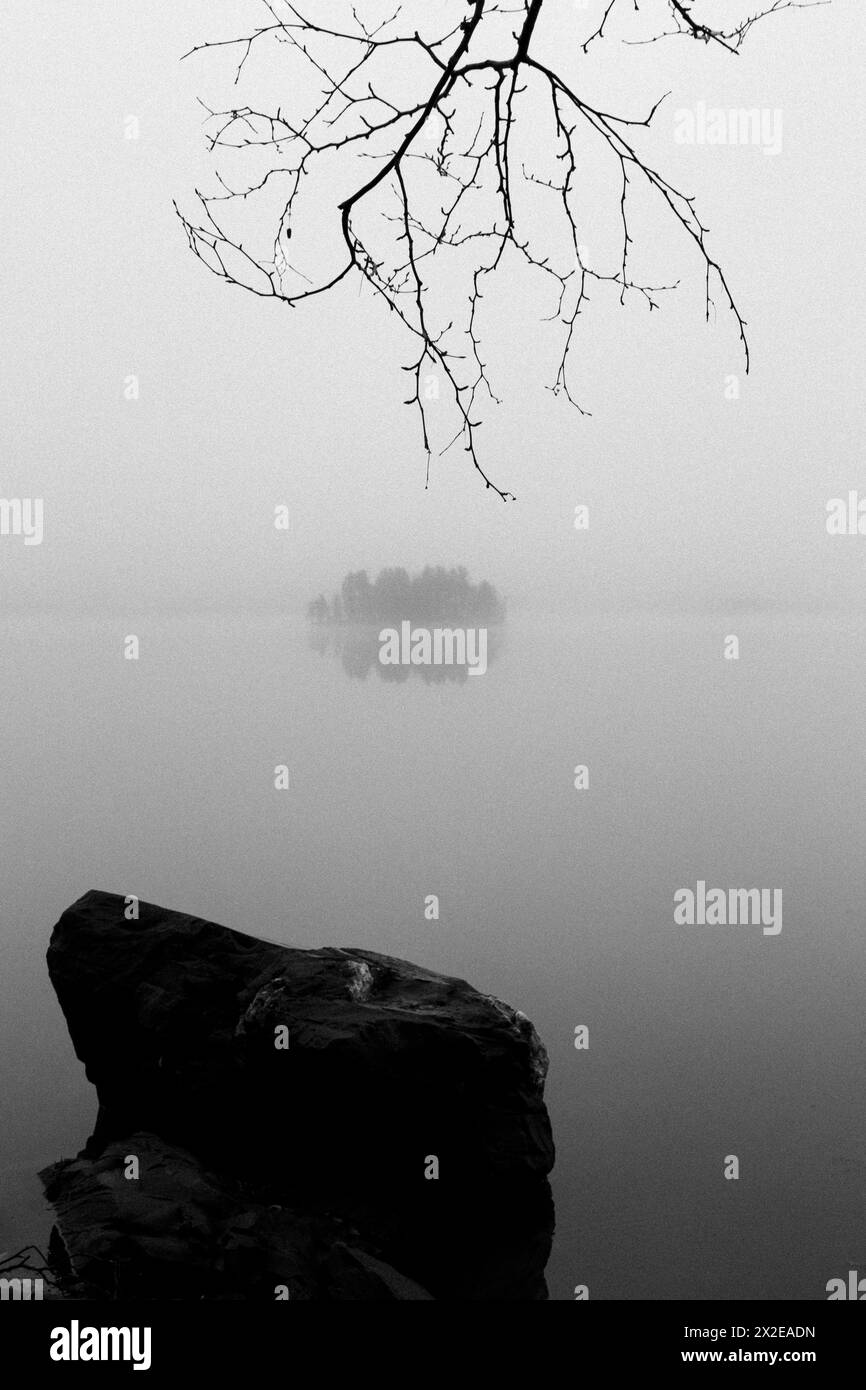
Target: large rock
[(167, 1228), (387, 1068)]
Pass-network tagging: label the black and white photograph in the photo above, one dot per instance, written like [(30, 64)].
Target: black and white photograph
[(432, 556)]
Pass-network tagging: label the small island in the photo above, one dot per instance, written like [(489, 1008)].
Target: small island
[(434, 595)]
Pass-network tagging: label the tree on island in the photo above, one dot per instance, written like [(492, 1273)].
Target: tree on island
[(409, 121), (435, 595), (317, 610)]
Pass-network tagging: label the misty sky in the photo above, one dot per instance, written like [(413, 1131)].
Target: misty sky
[(168, 501)]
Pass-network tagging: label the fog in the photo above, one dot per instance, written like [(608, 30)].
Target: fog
[(168, 501), (707, 506)]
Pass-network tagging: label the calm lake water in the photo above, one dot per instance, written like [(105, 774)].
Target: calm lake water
[(155, 777)]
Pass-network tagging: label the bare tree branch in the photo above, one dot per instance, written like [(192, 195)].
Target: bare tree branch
[(447, 176)]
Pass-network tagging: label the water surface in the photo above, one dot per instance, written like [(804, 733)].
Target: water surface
[(156, 777)]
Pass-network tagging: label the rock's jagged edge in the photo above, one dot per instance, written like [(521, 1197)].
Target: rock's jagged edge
[(299, 1168)]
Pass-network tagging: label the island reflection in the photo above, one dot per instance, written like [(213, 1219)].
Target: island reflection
[(353, 624)]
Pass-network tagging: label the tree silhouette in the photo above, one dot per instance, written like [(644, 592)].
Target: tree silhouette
[(407, 121), (435, 595), (317, 610)]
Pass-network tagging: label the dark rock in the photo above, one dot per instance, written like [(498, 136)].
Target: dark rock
[(177, 1231), (387, 1064)]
